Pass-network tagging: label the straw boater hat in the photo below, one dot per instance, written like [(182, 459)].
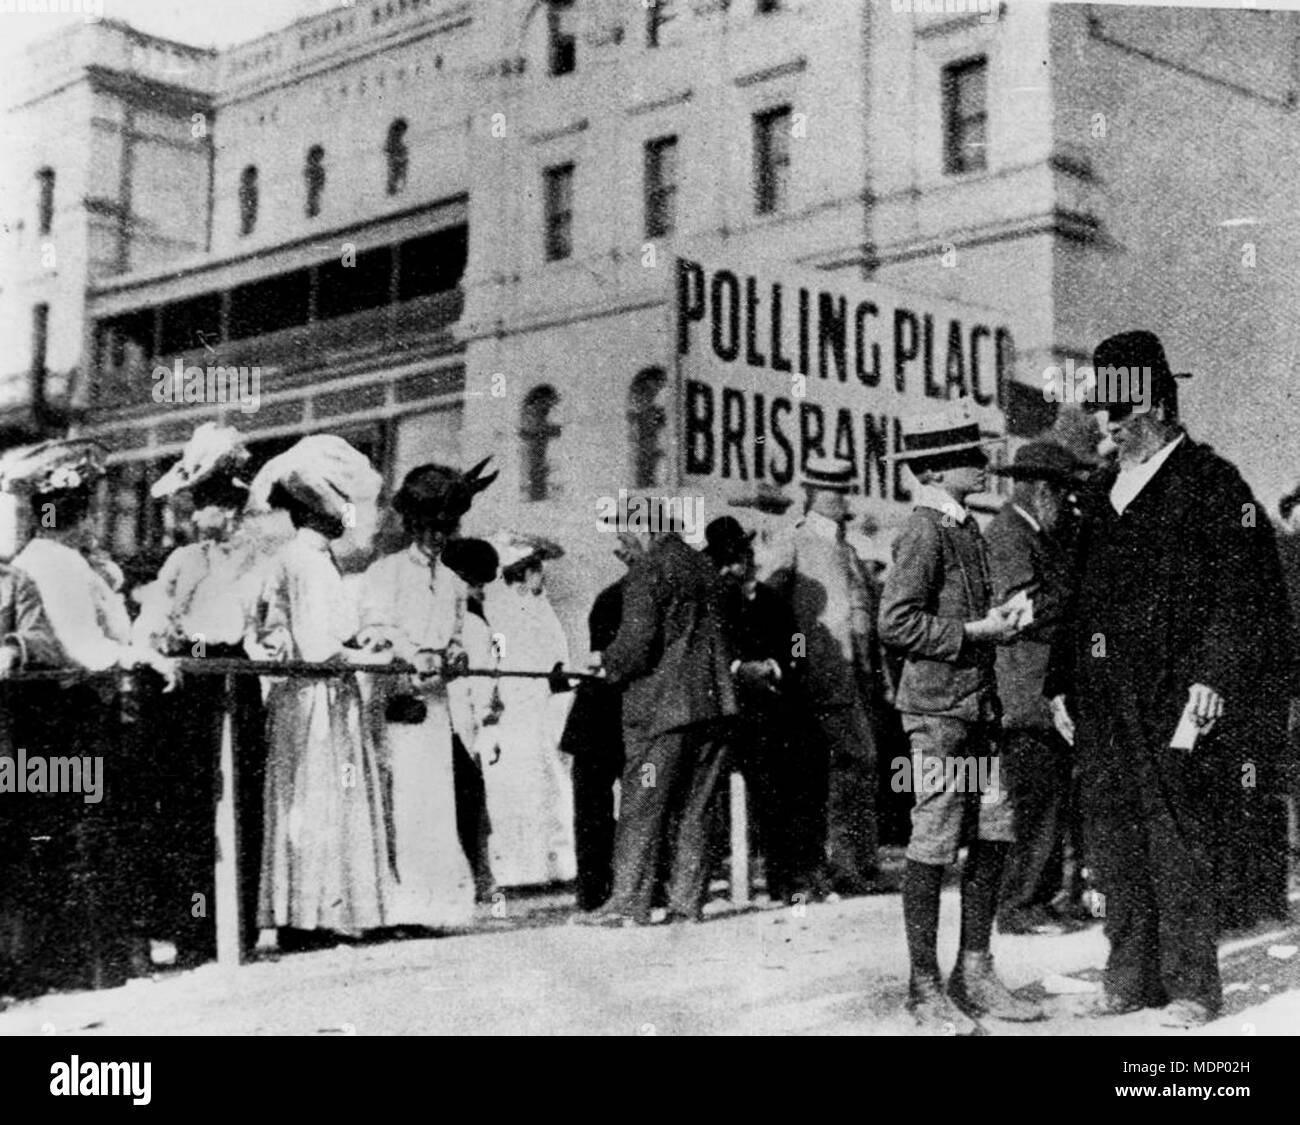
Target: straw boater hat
[(952, 429), (53, 467), (830, 474), (211, 449), (437, 492), (323, 472)]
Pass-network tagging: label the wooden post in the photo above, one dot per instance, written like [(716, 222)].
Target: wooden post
[(229, 923), (739, 841)]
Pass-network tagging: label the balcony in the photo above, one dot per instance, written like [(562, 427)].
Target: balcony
[(289, 357)]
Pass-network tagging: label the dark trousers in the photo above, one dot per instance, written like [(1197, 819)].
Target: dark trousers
[(1155, 864), (594, 775), (472, 825), (668, 785), (851, 832), (1035, 770)]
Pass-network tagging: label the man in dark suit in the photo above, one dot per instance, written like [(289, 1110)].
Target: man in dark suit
[(593, 735), (1181, 635), (1029, 552), (671, 658), (784, 798)]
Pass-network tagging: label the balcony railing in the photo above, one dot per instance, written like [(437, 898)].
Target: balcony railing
[(290, 357)]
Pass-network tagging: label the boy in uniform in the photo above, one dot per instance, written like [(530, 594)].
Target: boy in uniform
[(936, 611)]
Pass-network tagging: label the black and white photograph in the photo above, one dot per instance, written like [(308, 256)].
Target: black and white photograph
[(650, 518)]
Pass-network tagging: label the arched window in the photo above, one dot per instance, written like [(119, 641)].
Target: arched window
[(646, 421), (248, 200), (45, 200), (536, 432), (397, 155), (314, 174)]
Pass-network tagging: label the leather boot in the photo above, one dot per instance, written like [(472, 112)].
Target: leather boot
[(977, 991), (934, 1013)]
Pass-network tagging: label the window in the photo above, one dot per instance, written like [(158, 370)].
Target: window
[(40, 335), (537, 431), (248, 200), (965, 116), (660, 187), (772, 159), (559, 212), (397, 155), (314, 174), (647, 420), (656, 16), (562, 37), (45, 200)]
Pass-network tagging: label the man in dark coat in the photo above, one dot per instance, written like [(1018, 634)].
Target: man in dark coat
[(593, 735), (1181, 635), (671, 658), (1029, 552), (782, 790)]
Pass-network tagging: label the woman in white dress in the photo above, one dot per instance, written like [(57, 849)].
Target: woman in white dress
[(529, 790), (413, 608), (324, 849)]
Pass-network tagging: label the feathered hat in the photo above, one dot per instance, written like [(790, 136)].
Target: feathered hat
[(53, 466), (212, 448), (323, 472), (437, 492)]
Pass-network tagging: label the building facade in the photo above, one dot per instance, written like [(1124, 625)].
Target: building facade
[(450, 229)]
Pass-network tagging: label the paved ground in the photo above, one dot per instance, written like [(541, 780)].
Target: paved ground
[(826, 969)]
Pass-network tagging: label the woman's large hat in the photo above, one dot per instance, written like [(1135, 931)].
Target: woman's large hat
[(53, 466), (440, 492), (936, 433), (514, 549), (212, 448), (323, 472)]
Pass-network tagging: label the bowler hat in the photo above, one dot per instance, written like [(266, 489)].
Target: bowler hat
[(1044, 460), (725, 541)]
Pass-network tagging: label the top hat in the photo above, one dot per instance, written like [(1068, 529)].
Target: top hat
[(437, 492), (1136, 351), (53, 466), (725, 541), (952, 429), (1044, 460), (830, 474), (211, 449)]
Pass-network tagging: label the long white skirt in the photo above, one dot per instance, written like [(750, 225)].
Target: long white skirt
[(432, 884), (530, 804)]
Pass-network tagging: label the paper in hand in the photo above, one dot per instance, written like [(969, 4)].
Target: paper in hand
[(1187, 731)]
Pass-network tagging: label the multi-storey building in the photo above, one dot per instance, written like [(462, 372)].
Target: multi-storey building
[(448, 229)]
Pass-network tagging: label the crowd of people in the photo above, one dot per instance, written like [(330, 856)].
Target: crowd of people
[(1090, 697)]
